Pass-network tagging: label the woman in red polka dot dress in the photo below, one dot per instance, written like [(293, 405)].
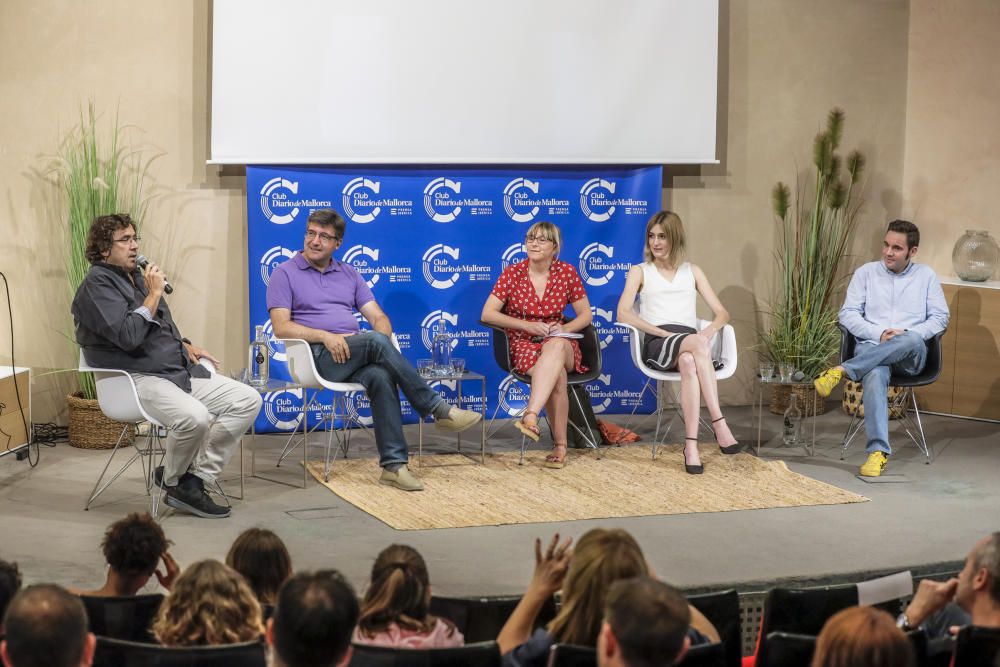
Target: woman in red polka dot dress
[(528, 300)]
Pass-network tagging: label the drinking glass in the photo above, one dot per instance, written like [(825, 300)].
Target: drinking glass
[(766, 370), (425, 367), (457, 365), (785, 370)]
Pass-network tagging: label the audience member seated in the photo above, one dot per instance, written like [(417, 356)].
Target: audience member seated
[(263, 560), (10, 584), (210, 604), (862, 637), (46, 626), (941, 607), (313, 621), (395, 611), (133, 548), (601, 558), (646, 623)]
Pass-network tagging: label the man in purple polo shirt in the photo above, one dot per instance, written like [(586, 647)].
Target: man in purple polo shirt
[(313, 297)]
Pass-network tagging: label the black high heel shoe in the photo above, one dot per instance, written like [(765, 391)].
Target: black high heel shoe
[(690, 469), (729, 449)]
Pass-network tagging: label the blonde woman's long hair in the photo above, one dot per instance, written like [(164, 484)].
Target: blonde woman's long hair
[(210, 604), (600, 558), (674, 229)]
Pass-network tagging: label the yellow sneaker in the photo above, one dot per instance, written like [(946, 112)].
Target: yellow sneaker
[(827, 380), (875, 464)]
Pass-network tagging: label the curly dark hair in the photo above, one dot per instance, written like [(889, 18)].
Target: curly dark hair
[(102, 233), (134, 545)]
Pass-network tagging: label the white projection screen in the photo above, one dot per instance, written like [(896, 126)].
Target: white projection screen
[(464, 81)]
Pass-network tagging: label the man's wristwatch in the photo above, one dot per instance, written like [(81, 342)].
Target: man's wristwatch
[(903, 622)]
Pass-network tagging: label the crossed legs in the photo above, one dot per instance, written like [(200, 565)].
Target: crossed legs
[(694, 362), (549, 390)]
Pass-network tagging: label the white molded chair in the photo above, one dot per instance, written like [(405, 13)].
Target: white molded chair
[(302, 368), (119, 400), (723, 350)]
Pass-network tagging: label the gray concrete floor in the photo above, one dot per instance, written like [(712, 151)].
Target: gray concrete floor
[(932, 517)]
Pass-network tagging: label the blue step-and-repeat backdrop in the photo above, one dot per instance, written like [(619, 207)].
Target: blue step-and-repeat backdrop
[(433, 242)]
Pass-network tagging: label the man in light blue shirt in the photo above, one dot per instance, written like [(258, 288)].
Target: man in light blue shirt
[(892, 307)]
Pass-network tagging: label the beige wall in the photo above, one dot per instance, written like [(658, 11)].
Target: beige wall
[(785, 63), (951, 171)]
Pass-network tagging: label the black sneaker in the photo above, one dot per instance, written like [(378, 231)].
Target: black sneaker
[(186, 477), (190, 497)]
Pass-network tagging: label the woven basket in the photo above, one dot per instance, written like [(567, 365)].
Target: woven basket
[(90, 429), (854, 395), (808, 399)]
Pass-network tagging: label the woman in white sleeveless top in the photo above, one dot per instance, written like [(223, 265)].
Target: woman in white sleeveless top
[(667, 289)]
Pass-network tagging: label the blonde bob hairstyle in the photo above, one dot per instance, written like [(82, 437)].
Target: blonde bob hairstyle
[(600, 558), (210, 604), (674, 229), (546, 230)]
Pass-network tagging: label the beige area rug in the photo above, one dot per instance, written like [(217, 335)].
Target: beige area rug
[(460, 492)]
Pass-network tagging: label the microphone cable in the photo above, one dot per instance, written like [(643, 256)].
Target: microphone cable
[(17, 390)]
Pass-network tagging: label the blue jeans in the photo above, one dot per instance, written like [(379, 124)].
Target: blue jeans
[(872, 364), (378, 365)]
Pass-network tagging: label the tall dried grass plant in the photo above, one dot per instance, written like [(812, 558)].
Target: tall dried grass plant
[(814, 234), (99, 171)]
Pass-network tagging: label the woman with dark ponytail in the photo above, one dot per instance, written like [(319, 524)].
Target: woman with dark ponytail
[(395, 611)]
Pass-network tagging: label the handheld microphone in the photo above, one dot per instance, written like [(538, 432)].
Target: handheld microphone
[(142, 263)]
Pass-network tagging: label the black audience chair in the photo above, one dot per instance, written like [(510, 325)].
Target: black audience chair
[(590, 350), (706, 655), (120, 653), (723, 610), (977, 646), (802, 611), (786, 649), (912, 425), (483, 654), (570, 655), (480, 619), (128, 618)]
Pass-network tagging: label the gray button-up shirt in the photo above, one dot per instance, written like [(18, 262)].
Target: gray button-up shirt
[(116, 331)]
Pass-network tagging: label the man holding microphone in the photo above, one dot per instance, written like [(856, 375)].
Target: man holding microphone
[(123, 322)]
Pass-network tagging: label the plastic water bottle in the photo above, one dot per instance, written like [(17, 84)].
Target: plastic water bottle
[(260, 359), (441, 348), (793, 422)]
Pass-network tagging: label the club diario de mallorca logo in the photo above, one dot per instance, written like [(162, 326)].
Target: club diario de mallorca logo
[(362, 203), (514, 253), (270, 260), (598, 201), (596, 267), (277, 350), (477, 337), (442, 269), (607, 331), (366, 261), (522, 202), (283, 408), (443, 203), (279, 202), (512, 396), (602, 396)]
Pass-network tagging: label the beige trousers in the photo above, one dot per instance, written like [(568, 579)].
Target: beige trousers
[(203, 427)]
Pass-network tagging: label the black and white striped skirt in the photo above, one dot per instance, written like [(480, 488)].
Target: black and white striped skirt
[(660, 352)]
